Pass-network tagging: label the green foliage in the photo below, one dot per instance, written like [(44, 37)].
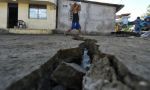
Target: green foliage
[(127, 29), (148, 11)]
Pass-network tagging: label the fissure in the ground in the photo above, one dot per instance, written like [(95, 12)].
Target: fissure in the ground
[(81, 68)]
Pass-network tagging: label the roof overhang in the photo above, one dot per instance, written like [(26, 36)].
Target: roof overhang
[(31, 1), (118, 6)]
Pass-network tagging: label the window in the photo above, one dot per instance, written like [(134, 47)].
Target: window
[(37, 11)]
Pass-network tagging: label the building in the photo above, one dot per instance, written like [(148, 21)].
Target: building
[(43, 16), (38, 15), (95, 17)]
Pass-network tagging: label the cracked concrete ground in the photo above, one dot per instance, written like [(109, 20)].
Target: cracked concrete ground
[(22, 54), (134, 53)]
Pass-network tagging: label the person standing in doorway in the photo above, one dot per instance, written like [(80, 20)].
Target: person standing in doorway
[(75, 9)]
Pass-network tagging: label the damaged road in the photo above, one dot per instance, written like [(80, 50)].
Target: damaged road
[(107, 71)]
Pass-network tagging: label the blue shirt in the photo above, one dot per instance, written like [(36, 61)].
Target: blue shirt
[(138, 22)]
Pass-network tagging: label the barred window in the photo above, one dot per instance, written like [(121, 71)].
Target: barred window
[(37, 11)]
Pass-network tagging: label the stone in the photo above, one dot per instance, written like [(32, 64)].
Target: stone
[(69, 74)]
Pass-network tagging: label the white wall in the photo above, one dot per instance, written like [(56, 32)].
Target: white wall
[(93, 17), (3, 15), (100, 19)]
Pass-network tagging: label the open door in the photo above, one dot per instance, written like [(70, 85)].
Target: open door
[(12, 15)]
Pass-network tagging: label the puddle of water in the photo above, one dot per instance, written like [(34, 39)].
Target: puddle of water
[(85, 60)]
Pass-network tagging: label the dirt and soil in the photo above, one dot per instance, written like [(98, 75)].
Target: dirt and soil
[(22, 54)]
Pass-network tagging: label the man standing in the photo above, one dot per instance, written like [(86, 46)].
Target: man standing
[(75, 8), (138, 25)]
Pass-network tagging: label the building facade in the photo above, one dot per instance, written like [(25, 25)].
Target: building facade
[(37, 14), (48, 15), (95, 17)]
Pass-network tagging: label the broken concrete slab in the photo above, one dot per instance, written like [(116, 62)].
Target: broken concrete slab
[(109, 74), (123, 74), (69, 75), (20, 55), (69, 55), (40, 79), (132, 52), (101, 76)]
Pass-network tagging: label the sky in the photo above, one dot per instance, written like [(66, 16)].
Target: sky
[(135, 7)]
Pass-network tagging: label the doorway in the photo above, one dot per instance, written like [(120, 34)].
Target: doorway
[(12, 15)]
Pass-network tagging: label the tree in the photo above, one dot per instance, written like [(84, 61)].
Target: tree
[(148, 11)]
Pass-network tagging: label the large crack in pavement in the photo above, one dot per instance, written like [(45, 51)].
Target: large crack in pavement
[(63, 72)]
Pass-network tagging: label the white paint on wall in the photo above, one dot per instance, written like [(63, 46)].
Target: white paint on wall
[(93, 17)]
